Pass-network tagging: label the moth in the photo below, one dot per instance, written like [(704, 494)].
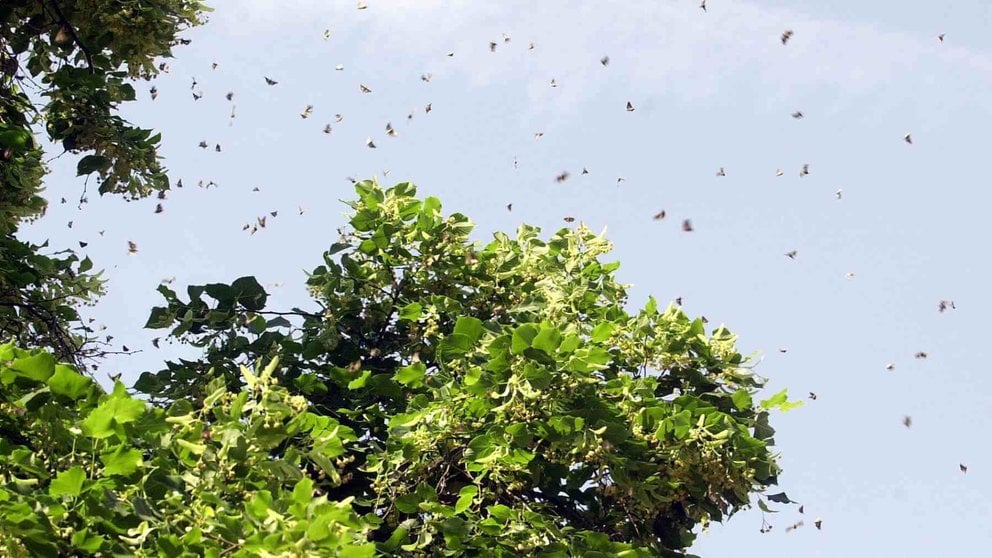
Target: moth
[(428, 108), (369, 143), (907, 421), (791, 254), (364, 88), (562, 177), (306, 112), (630, 107), (797, 115), (426, 77), (585, 171), (702, 5), (786, 36), (230, 95), (687, 225), (132, 248), (804, 171), (660, 215), (327, 129), (390, 131), (908, 138), (203, 144), (554, 83), (569, 219), (920, 355), (154, 92), (159, 208), (605, 60), (721, 172), (270, 81), (492, 46)]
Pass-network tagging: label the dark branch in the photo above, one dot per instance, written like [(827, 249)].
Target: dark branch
[(75, 37)]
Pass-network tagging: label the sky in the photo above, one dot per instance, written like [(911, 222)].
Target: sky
[(710, 90)]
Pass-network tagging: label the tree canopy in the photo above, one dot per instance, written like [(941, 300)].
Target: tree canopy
[(440, 396), (65, 69)]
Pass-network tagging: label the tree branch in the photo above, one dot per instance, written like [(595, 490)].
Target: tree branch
[(72, 32)]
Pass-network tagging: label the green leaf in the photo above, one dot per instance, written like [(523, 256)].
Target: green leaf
[(351, 550), (303, 491), (111, 415), (453, 345), (250, 293), (775, 400), (411, 312), (781, 402), (602, 332), (121, 461), (91, 163), (465, 497), (470, 327), (412, 375), (408, 503), (742, 399), (89, 542), (359, 382), (547, 340), (85, 265), (39, 366), (781, 498), (68, 482), (160, 318), (522, 338), (69, 383)]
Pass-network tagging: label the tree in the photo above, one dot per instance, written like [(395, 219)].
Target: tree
[(481, 400), (441, 397), (65, 69)]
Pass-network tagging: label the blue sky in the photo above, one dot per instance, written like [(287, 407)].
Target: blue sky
[(710, 90)]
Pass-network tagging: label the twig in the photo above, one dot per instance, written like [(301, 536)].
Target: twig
[(75, 37)]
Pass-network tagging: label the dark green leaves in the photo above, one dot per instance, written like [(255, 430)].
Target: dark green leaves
[(92, 163)]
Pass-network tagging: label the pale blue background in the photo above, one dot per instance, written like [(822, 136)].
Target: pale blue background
[(711, 90)]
